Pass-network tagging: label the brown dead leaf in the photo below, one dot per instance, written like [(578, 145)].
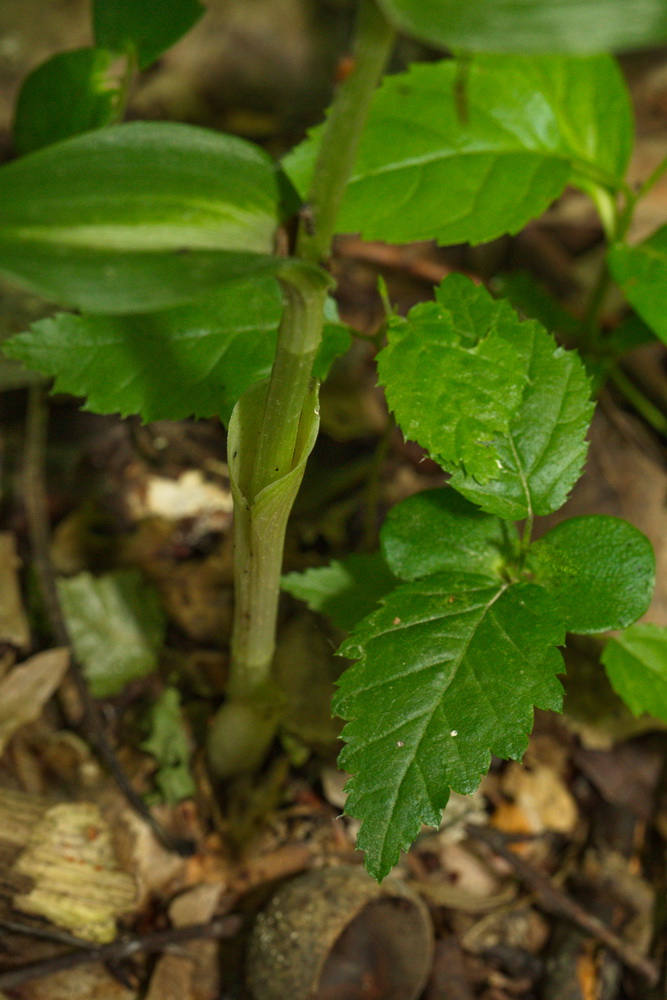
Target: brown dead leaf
[(193, 973), (14, 627), (541, 795), (27, 688)]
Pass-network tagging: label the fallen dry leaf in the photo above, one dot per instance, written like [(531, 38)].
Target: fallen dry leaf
[(27, 688)]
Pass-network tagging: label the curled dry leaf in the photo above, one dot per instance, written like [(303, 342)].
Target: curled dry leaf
[(25, 691)]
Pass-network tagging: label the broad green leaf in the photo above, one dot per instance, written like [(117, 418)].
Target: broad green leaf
[(439, 530), (541, 456), (641, 271), (439, 162), (195, 360), (147, 28), (636, 665), (138, 216), (71, 93), (117, 627), (449, 671), (531, 25), (346, 590), (454, 375), (168, 743), (600, 570)]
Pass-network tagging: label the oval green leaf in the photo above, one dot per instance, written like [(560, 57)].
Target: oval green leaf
[(71, 93), (440, 530), (599, 569), (148, 27), (138, 216), (636, 665)]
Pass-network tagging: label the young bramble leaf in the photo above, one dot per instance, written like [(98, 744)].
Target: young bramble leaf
[(439, 530), (138, 217), (641, 271), (543, 452), (168, 743), (346, 590), (455, 376), (636, 665), (147, 28), (117, 626), (599, 569), (532, 25), (427, 170), (449, 671), (70, 93), (193, 360)]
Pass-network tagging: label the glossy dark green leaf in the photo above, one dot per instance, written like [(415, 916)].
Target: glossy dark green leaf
[(636, 665), (72, 92), (641, 271), (117, 627), (449, 671), (138, 216), (168, 743), (429, 169), (147, 27), (346, 590), (440, 530), (599, 569), (532, 25)]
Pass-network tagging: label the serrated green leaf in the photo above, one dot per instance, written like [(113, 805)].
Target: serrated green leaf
[(636, 665), (426, 169), (117, 627), (599, 569), (168, 743), (641, 271), (138, 217), (147, 28), (542, 455), (194, 360), (68, 94), (346, 590), (532, 25), (454, 375), (449, 671), (440, 530)]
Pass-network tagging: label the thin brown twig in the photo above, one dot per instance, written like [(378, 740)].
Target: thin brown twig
[(121, 950), (553, 900), (39, 533)]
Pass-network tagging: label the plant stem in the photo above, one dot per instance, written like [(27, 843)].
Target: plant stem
[(304, 295), (272, 443), (649, 411), (342, 133)]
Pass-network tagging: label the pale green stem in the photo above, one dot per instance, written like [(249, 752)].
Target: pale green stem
[(649, 411), (342, 134), (236, 742)]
